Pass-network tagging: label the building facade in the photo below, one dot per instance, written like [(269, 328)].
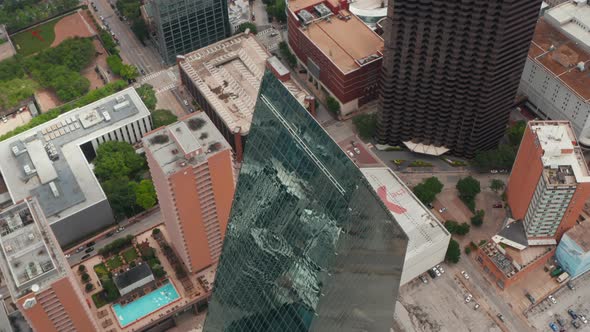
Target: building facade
[(555, 79), (309, 245), (231, 68), (52, 162), (451, 71), (183, 26), (38, 275), (193, 172), (573, 251), (549, 183), (428, 239), (340, 54)]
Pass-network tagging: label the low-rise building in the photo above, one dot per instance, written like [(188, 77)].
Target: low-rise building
[(550, 181), (193, 172), (51, 162), (224, 78), (340, 54), (555, 78), (573, 251), (37, 274), (428, 239)]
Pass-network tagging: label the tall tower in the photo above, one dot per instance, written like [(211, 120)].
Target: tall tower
[(38, 276), (193, 172), (451, 70), (182, 26), (309, 244)]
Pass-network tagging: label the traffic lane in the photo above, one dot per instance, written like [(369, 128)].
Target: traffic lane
[(130, 229)]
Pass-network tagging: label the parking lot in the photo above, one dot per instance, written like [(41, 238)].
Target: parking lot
[(440, 305), (544, 313)]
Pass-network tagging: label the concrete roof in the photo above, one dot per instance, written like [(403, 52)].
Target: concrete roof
[(195, 132), (343, 38), (560, 149), (421, 226), (228, 74), (30, 254), (573, 19), (559, 55), (70, 175)]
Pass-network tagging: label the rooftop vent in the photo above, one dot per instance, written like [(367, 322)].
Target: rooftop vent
[(106, 116), (53, 188), (28, 170), (120, 99), (17, 151), (322, 10), (29, 303), (305, 16), (121, 105), (581, 66)]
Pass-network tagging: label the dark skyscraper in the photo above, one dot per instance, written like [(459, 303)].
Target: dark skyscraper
[(309, 245), (451, 70)]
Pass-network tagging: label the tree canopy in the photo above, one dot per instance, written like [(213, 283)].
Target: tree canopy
[(515, 133), (497, 185), (477, 219), (148, 95), (18, 14), (117, 160), (453, 252), (163, 117), (427, 190), (145, 194), (455, 228), (333, 105), (248, 25), (468, 188), (365, 124)]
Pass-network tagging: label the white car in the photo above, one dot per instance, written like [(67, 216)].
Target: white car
[(583, 319), (350, 153), (357, 151), (552, 299), (67, 256), (4, 119), (440, 268), (476, 306), (465, 275), (441, 210), (438, 274), (468, 298), (102, 18), (494, 171)]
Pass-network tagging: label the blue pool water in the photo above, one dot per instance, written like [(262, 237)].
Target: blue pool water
[(145, 305)]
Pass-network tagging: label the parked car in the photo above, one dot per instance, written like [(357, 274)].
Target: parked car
[(500, 317), (89, 250), (185, 102), (68, 256), (423, 278), (530, 297), (465, 275), (350, 153), (438, 274), (190, 110), (476, 306), (570, 285), (494, 171), (85, 257), (552, 299), (109, 234), (440, 268), (80, 249), (576, 324), (583, 319), (554, 327), (468, 298), (443, 209), (90, 244), (497, 205), (142, 71), (102, 18), (357, 151), (572, 314), (560, 321), (4, 119), (431, 273), (430, 205)]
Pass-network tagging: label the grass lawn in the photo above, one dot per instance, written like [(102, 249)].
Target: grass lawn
[(98, 300), (163, 117), (27, 42), (114, 262), (101, 271), (130, 254)]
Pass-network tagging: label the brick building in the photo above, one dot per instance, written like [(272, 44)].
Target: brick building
[(342, 55), (193, 172), (550, 181)]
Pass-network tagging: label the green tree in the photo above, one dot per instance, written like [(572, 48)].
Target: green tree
[(115, 63), (277, 10), (333, 105), (248, 25), (365, 124), (502, 157), (287, 55), (163, 117), (451, 226), (148, 96), (108, 42), (140, 29), (477, 219), (89, 287), (116, 160), (11, 69), (467, 250), (468, 188), (453, 252), (121, 195), (515, 133), (462, 229), (81, 268), (145, 194), (129, 72), (497, 185), (427, 190)]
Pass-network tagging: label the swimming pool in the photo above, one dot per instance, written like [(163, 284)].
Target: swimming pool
[(146, 304)]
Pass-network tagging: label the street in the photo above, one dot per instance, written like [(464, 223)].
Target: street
[(130, 229), (131, 49)]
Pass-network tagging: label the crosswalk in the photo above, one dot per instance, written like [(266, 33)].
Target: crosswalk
[(152, 75), (166, 88)]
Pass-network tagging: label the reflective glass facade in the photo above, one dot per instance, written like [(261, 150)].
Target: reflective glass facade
[(309, 245)]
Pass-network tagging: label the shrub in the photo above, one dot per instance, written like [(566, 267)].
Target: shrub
[(248, 25), (468, 188), (81, 268), (85, 277), (159, 272), (365, 124), (333, 105), (453, 252), (467, 250), (116, 246), (89, 287), (477, 219), (420, 163)]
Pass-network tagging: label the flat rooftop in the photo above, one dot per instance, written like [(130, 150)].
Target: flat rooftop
[(228, 74), (194, 134), (563, 160), (581, 235), (573, 18), (560, 55), (342, 37), (421, 226), (30, 253), (47, 162)]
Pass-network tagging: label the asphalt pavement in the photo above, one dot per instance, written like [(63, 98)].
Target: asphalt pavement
[(133, 229), (131, 49)]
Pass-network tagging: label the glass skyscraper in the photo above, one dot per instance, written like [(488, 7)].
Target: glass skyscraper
[(309, 245)]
